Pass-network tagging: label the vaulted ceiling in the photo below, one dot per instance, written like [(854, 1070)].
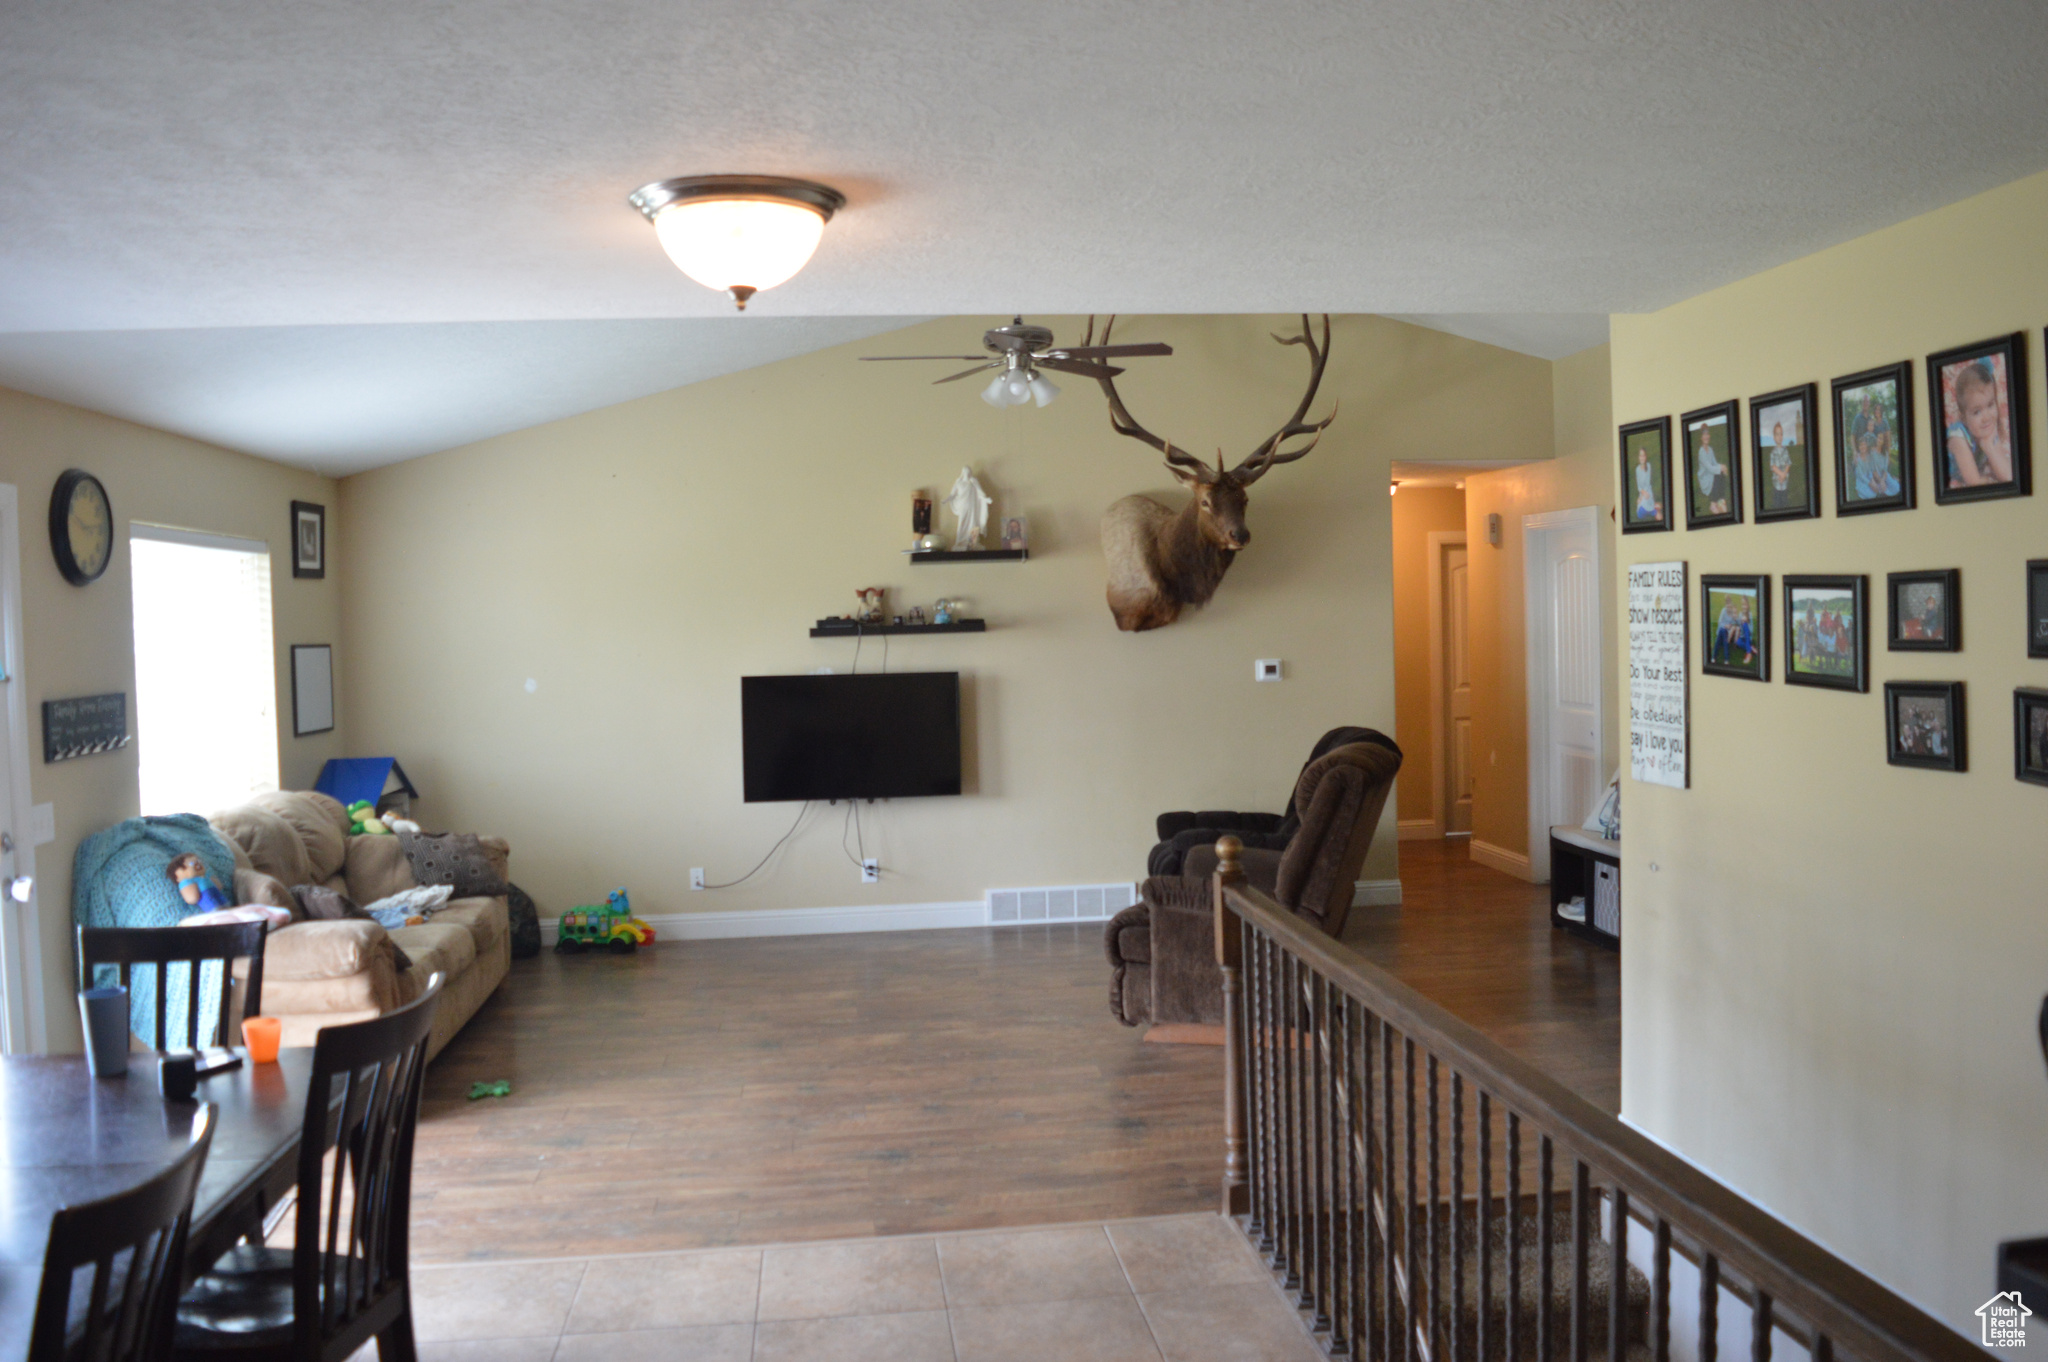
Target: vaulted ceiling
[(276, 225)]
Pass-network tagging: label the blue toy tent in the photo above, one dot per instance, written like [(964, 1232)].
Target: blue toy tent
[(349, 779)]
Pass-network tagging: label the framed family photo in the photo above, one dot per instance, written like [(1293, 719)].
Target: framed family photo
[(1874, 440), (1978, 397), (1735, 626), (1925, 610), (309, 539), (2037, 607), (1826, 641), (1924, 725), (2030, 735), (1784, 460), (1646, 475), (1713, 467)]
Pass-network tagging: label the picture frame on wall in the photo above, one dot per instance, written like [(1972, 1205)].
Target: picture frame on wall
[(1827, 639), (1735, 626), (1924, 725), (1712, 441), (1646, 475), (312, 688), (2037, 607), (1784, 454), (1924, 611), (309, 539), (2030, 735), (1977, 404), (1873, 418)]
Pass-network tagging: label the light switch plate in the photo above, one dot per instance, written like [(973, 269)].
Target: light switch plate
[(1266, 669), (42, 824)]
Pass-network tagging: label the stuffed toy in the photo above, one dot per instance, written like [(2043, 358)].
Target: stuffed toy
[(363, 820), (195, 886)]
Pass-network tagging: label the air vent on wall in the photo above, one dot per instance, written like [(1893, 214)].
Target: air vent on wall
[(1059, 903)]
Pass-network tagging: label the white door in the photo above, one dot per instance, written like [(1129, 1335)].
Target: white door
[(1561, 562), (1457, 700), (20, 956)]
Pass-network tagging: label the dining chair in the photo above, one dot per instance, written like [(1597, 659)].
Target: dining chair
[(125, 1310), (345, 1279), (127, 947)]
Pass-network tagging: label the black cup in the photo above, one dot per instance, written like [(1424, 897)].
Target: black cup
[(177, 1076)]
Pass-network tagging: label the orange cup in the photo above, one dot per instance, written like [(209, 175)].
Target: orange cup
[(261, 1035)]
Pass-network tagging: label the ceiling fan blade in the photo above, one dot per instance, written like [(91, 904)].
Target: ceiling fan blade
[(1083, 367), (876, 357), (969, 373), (1108, 351)]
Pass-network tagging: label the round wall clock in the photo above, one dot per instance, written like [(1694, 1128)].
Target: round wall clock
[(81, 527)]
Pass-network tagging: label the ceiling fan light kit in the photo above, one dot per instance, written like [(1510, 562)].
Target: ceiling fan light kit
[(738, 234), (1018, 352)]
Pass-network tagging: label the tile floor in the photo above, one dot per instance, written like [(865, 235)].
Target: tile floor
[(1168, 1289)]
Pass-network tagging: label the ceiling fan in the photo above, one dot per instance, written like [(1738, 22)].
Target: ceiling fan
[(1019, 351)]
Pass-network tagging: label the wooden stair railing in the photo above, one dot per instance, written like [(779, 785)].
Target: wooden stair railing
[(1345, 1090)]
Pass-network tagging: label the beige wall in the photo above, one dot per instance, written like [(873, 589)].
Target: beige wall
[(1831, 965), (79, 640), (635, 562), (1579, 476), (1417, 513)]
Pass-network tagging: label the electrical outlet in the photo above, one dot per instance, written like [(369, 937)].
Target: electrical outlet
[(1266, 669), (697, 877), (871, 871)]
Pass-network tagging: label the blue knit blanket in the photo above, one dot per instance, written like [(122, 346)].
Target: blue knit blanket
[(120, 879)]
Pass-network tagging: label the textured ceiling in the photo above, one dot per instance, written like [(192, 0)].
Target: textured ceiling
[(240, 163)]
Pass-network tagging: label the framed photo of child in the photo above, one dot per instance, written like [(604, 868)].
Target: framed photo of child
[(2030, 735), (1874, 440), (1977, 395), (1925, 611), (1826, 642), (2037, 607), (1784, 459), (1735, 626), (1646, 475), (1924, 725), (1713, 467)]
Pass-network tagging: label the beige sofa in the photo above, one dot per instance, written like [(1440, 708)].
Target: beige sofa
[(323, 972)]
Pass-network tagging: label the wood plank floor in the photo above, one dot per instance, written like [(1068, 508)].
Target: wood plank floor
[(775, 1090)]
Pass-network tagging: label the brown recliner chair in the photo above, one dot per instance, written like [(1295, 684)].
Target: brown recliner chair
[(1163, 948)]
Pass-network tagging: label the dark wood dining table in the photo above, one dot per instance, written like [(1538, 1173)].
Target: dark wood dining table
[(67, 1137)]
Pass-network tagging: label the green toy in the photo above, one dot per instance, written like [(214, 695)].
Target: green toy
[(363, 819), (607, 926), (501, 1088)]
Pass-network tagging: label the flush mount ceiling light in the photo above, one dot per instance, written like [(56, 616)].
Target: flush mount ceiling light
[(738, 233)]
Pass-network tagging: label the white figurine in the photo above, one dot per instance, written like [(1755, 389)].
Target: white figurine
[(969, 505)]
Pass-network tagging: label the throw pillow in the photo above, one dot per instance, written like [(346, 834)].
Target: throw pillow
[(456, 859), (318, 903)]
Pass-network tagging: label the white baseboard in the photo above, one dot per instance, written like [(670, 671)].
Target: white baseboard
[(881, 917), (1376, 894), (1419, 829), (1500, 858)]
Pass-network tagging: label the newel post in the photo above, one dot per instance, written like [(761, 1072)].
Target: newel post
[(1229, 955)]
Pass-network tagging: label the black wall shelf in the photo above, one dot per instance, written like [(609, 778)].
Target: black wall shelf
[(968, 555), (851, 630)]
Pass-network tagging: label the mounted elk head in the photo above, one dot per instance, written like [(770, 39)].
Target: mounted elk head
[(1162, 561)]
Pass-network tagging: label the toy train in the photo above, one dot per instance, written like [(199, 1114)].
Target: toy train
[(597, 927)]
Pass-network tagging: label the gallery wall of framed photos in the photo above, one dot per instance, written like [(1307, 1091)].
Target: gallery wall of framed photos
[(1839, 450)]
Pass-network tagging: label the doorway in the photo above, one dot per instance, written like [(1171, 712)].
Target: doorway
[(1450, 684), (1561, 573)]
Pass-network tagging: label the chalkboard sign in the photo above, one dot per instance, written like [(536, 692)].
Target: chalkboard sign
[(84, 727)]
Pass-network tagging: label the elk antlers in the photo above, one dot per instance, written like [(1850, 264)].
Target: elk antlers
[(1268, 452)]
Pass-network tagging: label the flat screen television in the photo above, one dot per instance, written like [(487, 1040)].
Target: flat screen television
[(881, 736)]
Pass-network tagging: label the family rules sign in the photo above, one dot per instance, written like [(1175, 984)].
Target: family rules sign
[(1656, 674)]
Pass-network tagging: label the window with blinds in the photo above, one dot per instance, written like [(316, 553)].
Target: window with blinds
[(205, 670)]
